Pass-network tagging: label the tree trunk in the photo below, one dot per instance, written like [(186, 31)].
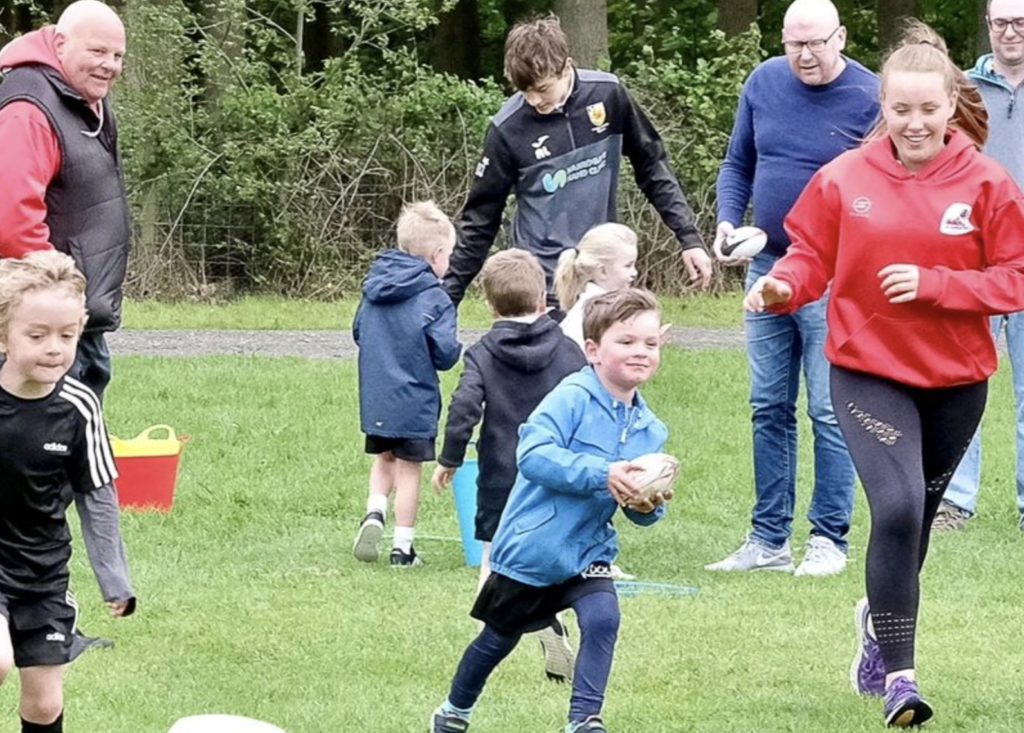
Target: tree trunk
[(455, 48), (320, 44), (890, 13), (586, 24), (983, 44), (225, 36), (735, 16)]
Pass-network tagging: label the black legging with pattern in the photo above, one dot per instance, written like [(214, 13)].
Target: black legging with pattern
[(905, 442)]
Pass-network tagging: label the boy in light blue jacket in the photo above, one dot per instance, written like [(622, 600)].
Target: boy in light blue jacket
[(555, 543)]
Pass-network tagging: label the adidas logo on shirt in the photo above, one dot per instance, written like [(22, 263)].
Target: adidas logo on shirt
[(56, 636), (55, 448)]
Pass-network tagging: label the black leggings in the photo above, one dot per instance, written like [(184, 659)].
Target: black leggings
[(905, 442)]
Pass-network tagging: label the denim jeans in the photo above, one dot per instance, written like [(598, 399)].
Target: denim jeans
[(777, 347), (963, 489)]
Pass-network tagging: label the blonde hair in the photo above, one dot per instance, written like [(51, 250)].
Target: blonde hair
[(579, 266), (922, 50), (423, 228), (42, 270), (514, 283)]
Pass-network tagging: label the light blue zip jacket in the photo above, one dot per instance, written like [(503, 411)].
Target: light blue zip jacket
[(1005, 118), (558, 518)]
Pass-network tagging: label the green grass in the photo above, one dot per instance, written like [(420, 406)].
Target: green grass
[(251, 603), (281, 314)]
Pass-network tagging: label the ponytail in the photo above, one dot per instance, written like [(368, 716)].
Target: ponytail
[(577, 267)]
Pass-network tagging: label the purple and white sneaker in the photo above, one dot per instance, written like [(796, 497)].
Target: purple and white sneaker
[(904, 706), (867, 672)]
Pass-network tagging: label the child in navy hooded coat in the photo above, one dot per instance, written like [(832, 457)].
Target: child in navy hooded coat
[(405, 329)]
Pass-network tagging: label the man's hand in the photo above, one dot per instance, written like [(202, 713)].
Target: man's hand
[(442, 478), (900, 282), (724, 231), (767, 291), (698, 265), (117, 608)]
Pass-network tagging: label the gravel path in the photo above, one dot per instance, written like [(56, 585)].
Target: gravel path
[(329, 344)]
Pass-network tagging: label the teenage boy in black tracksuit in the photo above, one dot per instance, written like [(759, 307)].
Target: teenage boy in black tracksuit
[(558, 144), (505, 376)]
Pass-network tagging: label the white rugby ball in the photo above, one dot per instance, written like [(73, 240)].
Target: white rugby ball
[(744, 242), (659, 473), (222, 724)]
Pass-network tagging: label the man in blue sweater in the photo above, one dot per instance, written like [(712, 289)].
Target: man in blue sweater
[(796, 113), (999, 76)]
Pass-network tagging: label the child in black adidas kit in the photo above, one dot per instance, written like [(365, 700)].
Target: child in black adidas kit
[(506, 375), (53, 444)]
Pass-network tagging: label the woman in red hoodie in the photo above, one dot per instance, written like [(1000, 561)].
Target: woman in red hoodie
[(921, 239)]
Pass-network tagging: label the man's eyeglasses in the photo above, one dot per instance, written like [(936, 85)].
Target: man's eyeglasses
[(815, 46), (999, 25)]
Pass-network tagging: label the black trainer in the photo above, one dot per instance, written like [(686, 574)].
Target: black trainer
[(367, 544), (401, 559)]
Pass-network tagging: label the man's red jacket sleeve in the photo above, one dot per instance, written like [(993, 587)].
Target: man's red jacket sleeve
[(30, 160)]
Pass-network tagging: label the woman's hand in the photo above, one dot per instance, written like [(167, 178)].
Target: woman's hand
[(767, 291), (900, 282)]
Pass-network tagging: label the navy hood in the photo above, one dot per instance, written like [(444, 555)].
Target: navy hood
[(396, 276), (526, 347)]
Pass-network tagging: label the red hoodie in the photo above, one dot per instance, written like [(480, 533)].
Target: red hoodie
[(960, 219), (31, 155)]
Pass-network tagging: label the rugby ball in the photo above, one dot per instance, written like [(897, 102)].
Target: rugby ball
[(222, 724), (658, 474), (744, 242)]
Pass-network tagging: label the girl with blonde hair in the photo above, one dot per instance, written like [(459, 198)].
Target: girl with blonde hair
[(604, 260)]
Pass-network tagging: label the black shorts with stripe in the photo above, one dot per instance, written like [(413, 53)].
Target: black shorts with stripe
[(42, 628)]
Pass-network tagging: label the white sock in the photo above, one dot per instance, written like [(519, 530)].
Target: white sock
[(403, 538), (377, 503)]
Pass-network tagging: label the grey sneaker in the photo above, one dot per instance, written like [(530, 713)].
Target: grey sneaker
[(559, 659), (443, 722), (823, 558), (950, 518), (593, 724), (904, 705), (367, 544), (754, 555), (867, 672)]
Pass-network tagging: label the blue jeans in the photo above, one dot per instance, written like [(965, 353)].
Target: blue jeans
[(963, 489), (777, 347)]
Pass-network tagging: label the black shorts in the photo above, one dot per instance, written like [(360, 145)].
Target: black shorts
[(414, 450), (514, 608), (42, 628)]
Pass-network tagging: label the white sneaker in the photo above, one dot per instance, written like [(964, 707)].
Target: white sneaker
[(823, 558), (618, 573), (754, 555)]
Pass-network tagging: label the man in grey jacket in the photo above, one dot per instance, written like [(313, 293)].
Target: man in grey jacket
[(999, 76)]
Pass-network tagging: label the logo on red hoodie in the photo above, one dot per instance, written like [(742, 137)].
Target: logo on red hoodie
[(956, 220)]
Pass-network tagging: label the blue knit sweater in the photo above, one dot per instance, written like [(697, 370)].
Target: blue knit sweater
[(784, 132)]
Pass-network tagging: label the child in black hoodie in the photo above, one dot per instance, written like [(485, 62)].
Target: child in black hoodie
[(505, 376)]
